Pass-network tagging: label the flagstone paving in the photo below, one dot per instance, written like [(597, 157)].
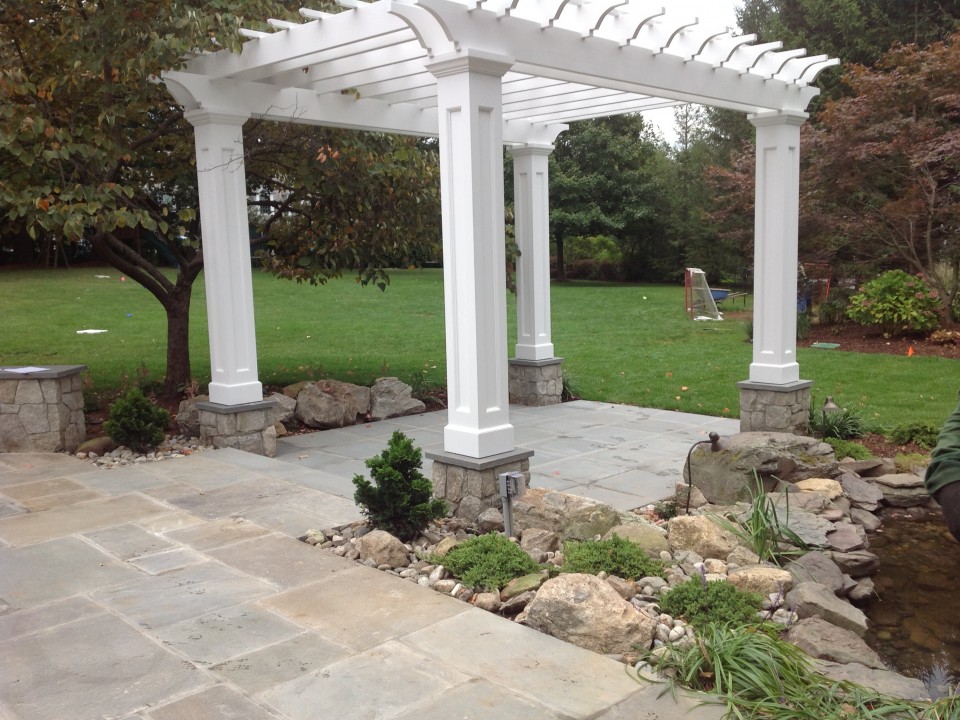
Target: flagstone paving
[(177, 590)]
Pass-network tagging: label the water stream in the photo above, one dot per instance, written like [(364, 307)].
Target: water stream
[(915, 618)]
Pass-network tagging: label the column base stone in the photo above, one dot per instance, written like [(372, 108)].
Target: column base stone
[(248, 427), (471, 485), (775, 408), (536, 382)]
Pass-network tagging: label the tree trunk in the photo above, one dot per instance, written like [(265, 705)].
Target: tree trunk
[(177, 305), (561, 272)]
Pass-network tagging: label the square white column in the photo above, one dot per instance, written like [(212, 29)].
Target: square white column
[(471, 188), (531, 198), (226, 257), (775, 248)]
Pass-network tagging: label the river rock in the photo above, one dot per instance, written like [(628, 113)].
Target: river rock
[(487, 601), (700, 534), (761, 579), (391, 398), (820, 639), (651, 538), (383, 548), (570, 516), (816, 567), (586, 611), (727, 476), (856, 564), (887, 681), (861, 493), (811, 599)]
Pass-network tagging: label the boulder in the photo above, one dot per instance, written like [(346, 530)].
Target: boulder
[(856, 564), (727, 475), (537, 542), (819, 639), (902, 490), (651, 538), (522, 584), (829, 488), (868, 468), (889, 682), (100, 445), (383, 548), (847, 537), (188, 415), (391, 398), (570, 516), (354, 400), (490, 520), (861, 493), (284, 409), (318, 409), (811, 599), (701, 534), (761, 579), (584, 610), (292, 391), (816, 567)]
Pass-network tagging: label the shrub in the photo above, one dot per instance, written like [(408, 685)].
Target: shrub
[(616, 556), (703, 603), (833, 310), (924, 434), (896, 302), (400, 502), (843, 424), (136, 422), (846, 448), (488, 561)]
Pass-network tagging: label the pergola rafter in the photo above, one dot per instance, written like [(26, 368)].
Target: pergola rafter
[(481, 75)]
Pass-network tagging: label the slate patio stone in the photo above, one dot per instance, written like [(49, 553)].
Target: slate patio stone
[(217, 533), (30, 620), (166, 561), (60, 673), (282, 561), (235, 499), (57, 569), (216, 703), (479, 700), (39, 488), (128, 541)]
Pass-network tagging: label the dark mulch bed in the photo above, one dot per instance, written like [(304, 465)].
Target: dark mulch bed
[(856, 338)]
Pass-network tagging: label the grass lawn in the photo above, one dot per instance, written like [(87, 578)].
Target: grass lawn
[(621, 343)]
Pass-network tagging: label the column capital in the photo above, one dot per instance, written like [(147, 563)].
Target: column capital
[(531, 149), (206, 116), (780, 117), (473, 61)]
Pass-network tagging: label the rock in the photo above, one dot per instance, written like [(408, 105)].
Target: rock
[(903, 490), (391, 398), (862, 494), (648, 536), (819, 639), (846, 537), (890, 683), (487, 601), (811, 599), (570, 516), (761, 579), (625, 588), (791, 499), (727, 476), (284, 408), (354, 400), (188, 415), (586, 611), (697, 500), (856, 564), (517, 604), (816, 567), (95, 447), (809, 527), (868, 468), (293, 391), (830, 488), (490, 520), (446, 545), (537, 543), (470, 508), (741, 556), (700, 534), (865, 519), (522, 584), (862, 592), (318, 409), (383, 548)]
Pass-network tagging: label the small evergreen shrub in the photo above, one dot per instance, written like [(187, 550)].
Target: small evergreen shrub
[(615, 556), (400, 502), (898, 303), (848, 448), (488, 561), (703, 603), (136, 422), (924, 434)]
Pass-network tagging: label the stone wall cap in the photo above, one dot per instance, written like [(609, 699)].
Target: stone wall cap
[(470, 463), (770, 387), (536, 363), (49, 371), (243, 407)]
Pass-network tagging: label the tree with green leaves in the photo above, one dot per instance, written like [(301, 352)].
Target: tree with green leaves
[(92, 147)]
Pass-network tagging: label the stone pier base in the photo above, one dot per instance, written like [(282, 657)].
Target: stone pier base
[(472, 485), (42, 411), (247, 427), (775, 408), (536, 382)]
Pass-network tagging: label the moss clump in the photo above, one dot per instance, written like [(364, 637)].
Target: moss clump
[(488, 562), (615, 556), (703, 603)]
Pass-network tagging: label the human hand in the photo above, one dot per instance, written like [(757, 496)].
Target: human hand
[(949, 498)]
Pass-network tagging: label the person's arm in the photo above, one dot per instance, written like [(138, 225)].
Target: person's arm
[(942, 479)]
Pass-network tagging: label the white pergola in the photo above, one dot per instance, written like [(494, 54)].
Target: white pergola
[(481, 75)]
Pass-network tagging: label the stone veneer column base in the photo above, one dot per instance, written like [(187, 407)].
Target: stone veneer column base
[(248, 427), (536, 382), (775, 408), (472, 485), (42, 411)]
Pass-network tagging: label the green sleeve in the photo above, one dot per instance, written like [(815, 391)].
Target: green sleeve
[(945, 459)]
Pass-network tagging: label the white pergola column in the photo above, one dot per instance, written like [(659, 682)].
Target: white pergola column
[(775, 248), (531, 193), (469, 104), (226, 254)]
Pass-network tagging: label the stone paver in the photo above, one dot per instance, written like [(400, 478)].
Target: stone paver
[(281, 562), (214, 703)]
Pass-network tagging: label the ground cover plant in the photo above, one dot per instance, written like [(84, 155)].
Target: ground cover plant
[(702, 603), (620, 343), (488, 562), (615, 556)]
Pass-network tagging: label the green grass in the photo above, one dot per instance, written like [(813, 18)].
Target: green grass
[(620, 343)]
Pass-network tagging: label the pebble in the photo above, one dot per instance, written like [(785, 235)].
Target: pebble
[(173, 446)]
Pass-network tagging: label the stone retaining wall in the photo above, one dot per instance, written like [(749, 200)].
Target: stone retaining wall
[(42, 411)]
